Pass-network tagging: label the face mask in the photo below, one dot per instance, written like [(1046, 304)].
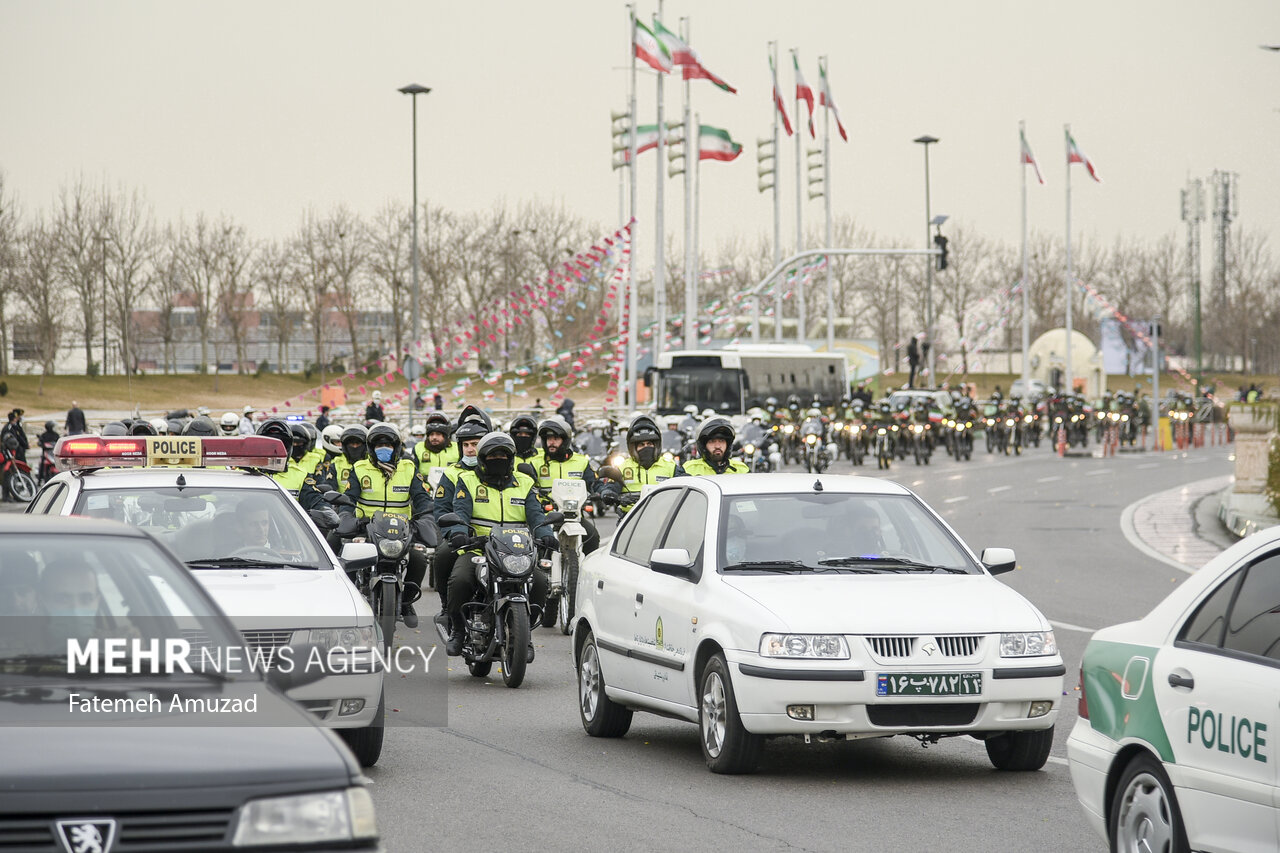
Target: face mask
[(497, 468), (72, 621), (524, 442), (646, 456), (383, 454), (468, 461)]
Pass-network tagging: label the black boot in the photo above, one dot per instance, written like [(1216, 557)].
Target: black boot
[(453, 647), (408, 615)]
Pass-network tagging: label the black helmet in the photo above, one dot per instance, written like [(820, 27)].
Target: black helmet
[(644, 428), (556, 425), (523, 431), (200, 426), (278, 429), (714, 427), (141, 427), (379, 435), (115, 428), (10, 442), (49, 426), (298, 439), (354, 440), (436, 422), (472, 424), (313, 435), (496, 458)]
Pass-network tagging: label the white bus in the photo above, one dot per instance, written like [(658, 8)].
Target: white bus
[(732, 380)]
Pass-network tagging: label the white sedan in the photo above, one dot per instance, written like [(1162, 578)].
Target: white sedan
[(1175, 748), (761, 605)]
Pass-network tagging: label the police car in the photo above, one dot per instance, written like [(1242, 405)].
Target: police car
[(249, 544), (763, 605), (1176, 745)]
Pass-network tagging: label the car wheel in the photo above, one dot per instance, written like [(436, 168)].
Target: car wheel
[(601, 716), (726, 745), (1020, 750), (366, 743), (1144, 811)]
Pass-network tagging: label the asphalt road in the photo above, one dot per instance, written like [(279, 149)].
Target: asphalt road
[(514, 769)]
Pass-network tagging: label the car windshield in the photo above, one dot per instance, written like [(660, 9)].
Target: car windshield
[(837, 532), (96, 587), (213, 528)]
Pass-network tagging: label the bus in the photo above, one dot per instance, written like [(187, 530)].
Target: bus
[(732, 380)]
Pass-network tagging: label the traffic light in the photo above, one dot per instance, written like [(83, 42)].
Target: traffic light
[(675, 148), (815, 171), (621, 138), (941, 243), (764, 155)]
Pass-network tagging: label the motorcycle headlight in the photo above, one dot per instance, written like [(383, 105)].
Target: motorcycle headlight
[(788, 429), (882, 431), (391, 548), (307, 819), (839, 426), (1028, 644), (668, 457), (616, 461), (748, 449), (1124, 417), (810, 439), (823, 646), (1009, 422), (917, 428), (1027, 419), (517, 565)]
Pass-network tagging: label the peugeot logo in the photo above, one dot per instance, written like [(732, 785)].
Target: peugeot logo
[(929, 649), (87, 835)]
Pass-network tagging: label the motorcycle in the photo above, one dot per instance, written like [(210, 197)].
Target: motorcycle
[(15, 474), (918, 437), (498, 619), (48, 465), (570, 499), (884, 444)]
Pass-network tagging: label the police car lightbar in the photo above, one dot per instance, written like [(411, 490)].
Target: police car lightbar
[(91, 451)]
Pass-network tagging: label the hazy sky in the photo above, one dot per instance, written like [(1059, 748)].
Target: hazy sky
[(260, 110)]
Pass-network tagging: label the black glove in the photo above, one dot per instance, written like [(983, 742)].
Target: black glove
[(458, 540), (612, 491), (549, 542)]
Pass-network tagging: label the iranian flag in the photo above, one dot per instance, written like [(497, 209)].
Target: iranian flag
[(1075, 155), (803, 92), (697, 71), (777, 99), (1029, 159), (649, 49), (825, 99), (716, 144), (681, 53), (646, 138)]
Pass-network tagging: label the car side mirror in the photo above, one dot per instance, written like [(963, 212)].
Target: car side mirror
[(675, 562), (999, 560), (359, 555)]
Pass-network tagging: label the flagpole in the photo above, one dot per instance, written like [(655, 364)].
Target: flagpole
[(777, 200), (826, 198), (691, 320), (691, 149), (659, 244), (628, 399), (800, 318), (1067, 142), (1026, 299)]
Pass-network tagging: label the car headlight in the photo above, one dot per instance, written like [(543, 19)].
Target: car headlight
[(307, 819), (1028, 644), (824, 646), (342, 638), (391, 548), (517, 565)]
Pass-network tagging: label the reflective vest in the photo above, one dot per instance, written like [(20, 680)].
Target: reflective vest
[(635, 476), (700, 467), (428, 459), (341, 469), (379, 493), (291, 478), (550, 470), (490, 506), (312, 459)]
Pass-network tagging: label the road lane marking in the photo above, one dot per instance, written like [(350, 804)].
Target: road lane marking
[(1067, 626), (1049, 479), (1148, 465), (1097, 472), (956, 499), (995, 489), (955, 477)]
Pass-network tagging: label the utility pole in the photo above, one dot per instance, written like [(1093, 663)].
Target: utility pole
[(1225, 210), (659, 243), (1193, 215), (800, 313)]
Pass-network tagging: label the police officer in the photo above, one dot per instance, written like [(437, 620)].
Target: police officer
[(293, 479), (473, 425), (492, 493), (435, 450), (715, 437), (646, 464), (352, 447), (384, 481), (524, 433), (314, 456), (558, 461)]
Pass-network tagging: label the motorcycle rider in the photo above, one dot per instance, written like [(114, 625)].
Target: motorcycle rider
[(715, 437), (386, 481), (314, 455), (435, 450), (491, 493), (524, 433), (558, 460), (646, 463), (46, 441), (228, 425), (293, 479), (373, 411), (473, 424), (331, 441)]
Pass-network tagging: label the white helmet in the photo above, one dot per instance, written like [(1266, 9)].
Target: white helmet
[(331, 438), (160, 425), (377, 395), (229, 424), (202, 412), (419, 429)]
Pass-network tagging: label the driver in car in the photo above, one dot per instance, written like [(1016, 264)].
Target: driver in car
[(254, 520)]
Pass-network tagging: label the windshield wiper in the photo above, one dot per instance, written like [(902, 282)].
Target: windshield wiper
[(767, 566), (890, 564), (241, 562)]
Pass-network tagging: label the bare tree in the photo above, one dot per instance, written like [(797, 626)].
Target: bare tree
[(973, 274), (232, 256), (38, 294), (131, 244), (78, 223), (167, 290), (344, 251), (390, 274), (1250, 271), (311, 272), (199, 259), (10, 241)]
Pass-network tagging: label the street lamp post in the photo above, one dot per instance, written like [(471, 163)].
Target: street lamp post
[(413, 90), (926, 141)]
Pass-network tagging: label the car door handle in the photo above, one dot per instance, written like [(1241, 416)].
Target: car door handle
[(1181, 681), (599, 584), (639, 598)]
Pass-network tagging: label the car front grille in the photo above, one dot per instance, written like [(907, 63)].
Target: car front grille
[(948, 646), (922, 715), (892, 647), (959, 646), (267, 643), (136, 832)]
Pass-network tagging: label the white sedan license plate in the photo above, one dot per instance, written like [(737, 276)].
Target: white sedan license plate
[(931, 684)]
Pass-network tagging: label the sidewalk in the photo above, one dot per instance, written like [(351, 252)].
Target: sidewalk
[(1180, 526)]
